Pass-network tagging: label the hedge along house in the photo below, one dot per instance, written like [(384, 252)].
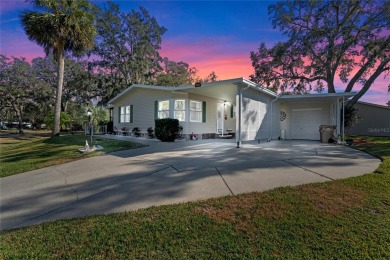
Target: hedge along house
[(235, 107)]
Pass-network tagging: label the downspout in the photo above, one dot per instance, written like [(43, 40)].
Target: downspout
[(338, 118), (270, 129), (240, 115)]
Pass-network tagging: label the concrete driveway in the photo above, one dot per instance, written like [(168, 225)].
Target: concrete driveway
[(166, 173)]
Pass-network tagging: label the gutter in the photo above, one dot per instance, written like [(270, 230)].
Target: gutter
[(270, 129)]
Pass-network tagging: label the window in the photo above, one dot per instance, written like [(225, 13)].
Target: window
[(163, 109), (124, 114), (232, 112), (195, 111), (180, 110)]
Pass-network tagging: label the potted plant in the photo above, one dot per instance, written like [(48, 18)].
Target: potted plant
[(194, 136), (136, 131), (124, 130), (150, 132), (349, 142)]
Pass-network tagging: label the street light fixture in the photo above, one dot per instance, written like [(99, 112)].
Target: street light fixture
[(89, 113)]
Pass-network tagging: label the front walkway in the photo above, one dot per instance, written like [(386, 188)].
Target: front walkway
[(166, 173)]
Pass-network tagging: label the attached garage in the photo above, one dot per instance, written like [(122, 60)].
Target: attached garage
[(305, 123), (302, 115)]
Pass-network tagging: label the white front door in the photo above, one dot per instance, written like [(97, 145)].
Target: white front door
[(306, 123), (220, 118)]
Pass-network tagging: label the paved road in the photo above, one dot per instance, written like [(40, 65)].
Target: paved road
[(166, 173)]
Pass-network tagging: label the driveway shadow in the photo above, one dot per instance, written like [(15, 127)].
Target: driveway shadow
[(170, 173)]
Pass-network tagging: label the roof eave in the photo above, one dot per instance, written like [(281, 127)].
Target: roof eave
[(164, 88), (258, 87), (327, 95)]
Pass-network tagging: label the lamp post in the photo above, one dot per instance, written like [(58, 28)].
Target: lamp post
[(89, 113)]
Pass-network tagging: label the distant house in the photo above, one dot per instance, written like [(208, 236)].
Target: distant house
[(236, 107), (375, 120)]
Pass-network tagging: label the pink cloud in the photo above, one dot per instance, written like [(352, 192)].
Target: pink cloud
[(378, 92), (220, 54), (230, 66), (376, 97), (20, 47)]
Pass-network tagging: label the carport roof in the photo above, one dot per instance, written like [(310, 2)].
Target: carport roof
[(317, 97)]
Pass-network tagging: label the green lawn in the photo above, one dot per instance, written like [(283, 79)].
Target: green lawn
[(344, 219), (21, 153), (379, 147)]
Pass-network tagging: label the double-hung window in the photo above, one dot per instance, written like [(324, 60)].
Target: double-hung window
[(180, 110), (195, 111), (163, 109), (124, 114)]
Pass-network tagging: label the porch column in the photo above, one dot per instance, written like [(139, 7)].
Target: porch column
[(238, 117), (338, 111)]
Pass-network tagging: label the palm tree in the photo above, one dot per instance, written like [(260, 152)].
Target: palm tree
[(63, 26)]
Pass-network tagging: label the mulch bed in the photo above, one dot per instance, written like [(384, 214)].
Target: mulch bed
[(362, 142)]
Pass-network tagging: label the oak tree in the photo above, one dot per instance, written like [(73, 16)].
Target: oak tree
[(326, 41)]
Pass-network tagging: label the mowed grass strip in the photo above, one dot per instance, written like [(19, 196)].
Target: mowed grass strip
[(343, 219), (21, 153)]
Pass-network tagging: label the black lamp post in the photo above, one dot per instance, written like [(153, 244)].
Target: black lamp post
[(89, 113)]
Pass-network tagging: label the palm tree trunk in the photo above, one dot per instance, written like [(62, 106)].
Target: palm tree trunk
[(60, 82), (19, 116)]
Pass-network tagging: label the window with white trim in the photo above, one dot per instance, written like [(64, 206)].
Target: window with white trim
[(124, 114), (163, 109), (180, 109), (195, 111)]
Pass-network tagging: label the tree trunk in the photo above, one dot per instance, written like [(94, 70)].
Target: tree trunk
[(20, 124), (65, 106), (18, 112), (60, 82), (331, 88), (19, 116)]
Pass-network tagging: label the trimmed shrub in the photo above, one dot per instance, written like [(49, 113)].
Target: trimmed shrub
[(166, 129)]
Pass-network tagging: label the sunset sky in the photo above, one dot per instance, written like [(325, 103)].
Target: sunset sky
[(209, 35)]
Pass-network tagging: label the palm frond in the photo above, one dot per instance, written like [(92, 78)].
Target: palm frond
[(66, 24)]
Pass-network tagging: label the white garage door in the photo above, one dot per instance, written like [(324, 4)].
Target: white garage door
[(306, 123)]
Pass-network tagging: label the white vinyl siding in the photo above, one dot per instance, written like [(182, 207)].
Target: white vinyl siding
[(180, 109), (256, 116), (163, 109), (145, 110), (195, 111), (142, 101)]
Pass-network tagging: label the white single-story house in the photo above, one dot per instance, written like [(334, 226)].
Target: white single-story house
[(374, 120), (235, 107)]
